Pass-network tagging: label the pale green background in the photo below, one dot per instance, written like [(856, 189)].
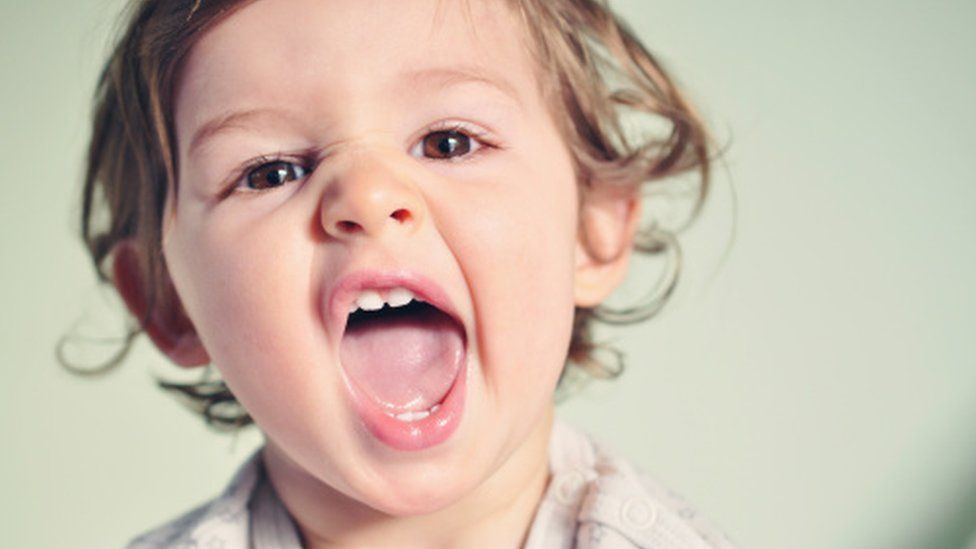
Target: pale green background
[(817, 390)]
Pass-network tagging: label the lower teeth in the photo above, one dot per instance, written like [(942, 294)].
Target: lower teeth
[(418, 415)]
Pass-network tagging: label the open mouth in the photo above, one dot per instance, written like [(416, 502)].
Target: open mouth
[(405, 360)]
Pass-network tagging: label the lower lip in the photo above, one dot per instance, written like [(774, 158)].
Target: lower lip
[(414, 435)]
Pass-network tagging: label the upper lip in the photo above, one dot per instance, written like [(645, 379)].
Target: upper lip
[(348, 287)]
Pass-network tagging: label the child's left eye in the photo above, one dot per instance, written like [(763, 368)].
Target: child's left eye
[(447, 144), (451, 143)]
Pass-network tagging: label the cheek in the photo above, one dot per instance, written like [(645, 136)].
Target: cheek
[(251, 291), (247, 290), (517, 248)]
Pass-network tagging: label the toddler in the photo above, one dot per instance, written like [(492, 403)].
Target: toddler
[(389, 226)]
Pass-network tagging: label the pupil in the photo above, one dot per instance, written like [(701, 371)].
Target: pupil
[(448, 144), (277, 176)]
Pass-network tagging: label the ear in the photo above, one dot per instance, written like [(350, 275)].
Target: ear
[(166, 324), (608, 222)]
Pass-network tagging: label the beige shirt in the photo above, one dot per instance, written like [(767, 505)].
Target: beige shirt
[(593, 501)]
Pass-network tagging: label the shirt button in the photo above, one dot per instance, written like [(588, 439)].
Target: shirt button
[(638, 513), (568, 488)]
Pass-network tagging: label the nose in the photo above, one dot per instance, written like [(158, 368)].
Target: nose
[(369, 199)]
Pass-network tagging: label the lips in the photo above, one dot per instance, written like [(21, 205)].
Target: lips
[(403, 354)]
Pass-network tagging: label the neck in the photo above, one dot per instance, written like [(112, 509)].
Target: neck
[(496, 514)]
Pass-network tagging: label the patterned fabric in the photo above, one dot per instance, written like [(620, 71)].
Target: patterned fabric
[(593, 501), (597, 501)]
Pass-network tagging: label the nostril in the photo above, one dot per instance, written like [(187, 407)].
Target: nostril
[(348, 227), (402, 215)]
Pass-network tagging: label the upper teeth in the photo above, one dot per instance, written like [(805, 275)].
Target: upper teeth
[(373, 300)]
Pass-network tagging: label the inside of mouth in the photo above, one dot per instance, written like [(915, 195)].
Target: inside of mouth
[(405, 358)]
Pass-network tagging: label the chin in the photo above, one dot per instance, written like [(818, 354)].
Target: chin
[(406, 500)]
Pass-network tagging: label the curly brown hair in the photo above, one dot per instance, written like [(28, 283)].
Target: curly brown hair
[(594, 72)]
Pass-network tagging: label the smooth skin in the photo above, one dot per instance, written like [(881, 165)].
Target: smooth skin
[(350, 101)]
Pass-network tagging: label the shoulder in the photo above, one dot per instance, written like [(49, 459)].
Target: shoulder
[(221, 522), (612, 504)]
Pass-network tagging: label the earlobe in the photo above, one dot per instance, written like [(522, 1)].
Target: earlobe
[(608, 222), (165, 322)]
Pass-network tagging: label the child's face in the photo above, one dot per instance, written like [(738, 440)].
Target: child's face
[(355, 94)]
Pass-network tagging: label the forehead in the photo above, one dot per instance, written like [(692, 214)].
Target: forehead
[(306, 51)]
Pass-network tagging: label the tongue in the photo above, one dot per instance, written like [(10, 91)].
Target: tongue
[(405, 360)]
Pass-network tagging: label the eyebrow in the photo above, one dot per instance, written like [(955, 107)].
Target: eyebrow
[(445, 77), (232, 119), (439, 77)]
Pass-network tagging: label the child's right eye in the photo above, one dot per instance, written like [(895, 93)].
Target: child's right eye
[(272, 174)]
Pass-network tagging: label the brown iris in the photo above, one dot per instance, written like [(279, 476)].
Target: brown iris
[(446, 144), (273, 174)]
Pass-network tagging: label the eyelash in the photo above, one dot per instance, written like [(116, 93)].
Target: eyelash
[(306, 164)]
